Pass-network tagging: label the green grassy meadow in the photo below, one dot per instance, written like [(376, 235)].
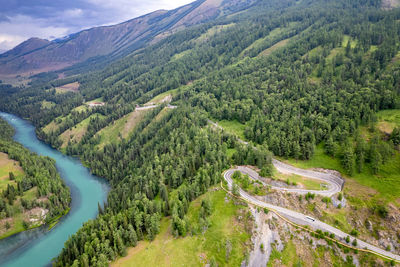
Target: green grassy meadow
[(195, 250)]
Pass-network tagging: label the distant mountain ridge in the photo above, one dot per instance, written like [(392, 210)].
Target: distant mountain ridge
[(37, 55), (25, 47)]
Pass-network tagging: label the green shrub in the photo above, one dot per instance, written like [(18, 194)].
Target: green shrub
[(354, 232)]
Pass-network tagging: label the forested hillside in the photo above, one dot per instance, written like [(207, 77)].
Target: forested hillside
[(32, 192), (295, 75)]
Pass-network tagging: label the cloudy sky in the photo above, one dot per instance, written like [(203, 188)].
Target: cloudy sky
[(49, 19)]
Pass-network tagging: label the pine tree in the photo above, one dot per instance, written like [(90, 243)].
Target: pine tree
[(348, 159), (360, 151), (235, 189), (375, 158), (330, 147)]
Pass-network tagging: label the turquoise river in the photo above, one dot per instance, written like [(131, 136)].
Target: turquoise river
[(39, 246)]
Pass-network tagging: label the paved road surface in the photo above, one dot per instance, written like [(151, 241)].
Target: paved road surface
[(154, 106), (334, 183)]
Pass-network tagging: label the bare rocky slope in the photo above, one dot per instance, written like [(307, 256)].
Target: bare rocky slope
[(37, 55)]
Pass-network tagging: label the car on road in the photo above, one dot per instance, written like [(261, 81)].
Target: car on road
[(311, 219)]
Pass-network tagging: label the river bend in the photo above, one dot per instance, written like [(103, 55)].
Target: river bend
[(39, 246)]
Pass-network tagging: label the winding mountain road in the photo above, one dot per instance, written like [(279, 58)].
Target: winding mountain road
[(299, 218), (334, 182), (335, 185)]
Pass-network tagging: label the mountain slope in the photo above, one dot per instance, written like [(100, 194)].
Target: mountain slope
[(23, 48), (37, 55), (295, 77)]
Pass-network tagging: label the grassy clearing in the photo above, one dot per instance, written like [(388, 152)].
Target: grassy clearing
[(6, 166), (318, 51), (71, 87), (233, 127), (112, 133), (272, 36), (53, 125), (212, 32), (157, 118), (159, 98), (314, 80), (16, 226), (346, 39), (388, 120), (47, 104), (288, 256), (327, 257), (162, 113), (315, 52), (334, 52), (100, 99), (258, 43), (80, 108), (76, 133), (120, 128), (366, 132), (31, 194), (337, 218), (195, 250), (319, 160), (230, 152), (180, 55), (276, 46), (293, 179), (133, 119)]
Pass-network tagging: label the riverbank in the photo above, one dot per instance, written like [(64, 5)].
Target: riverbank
[(39, 246)]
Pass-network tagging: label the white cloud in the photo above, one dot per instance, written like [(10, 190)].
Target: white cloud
[(20, 28), (17, 27), (8, 41), (73, 13), (128, 9)]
